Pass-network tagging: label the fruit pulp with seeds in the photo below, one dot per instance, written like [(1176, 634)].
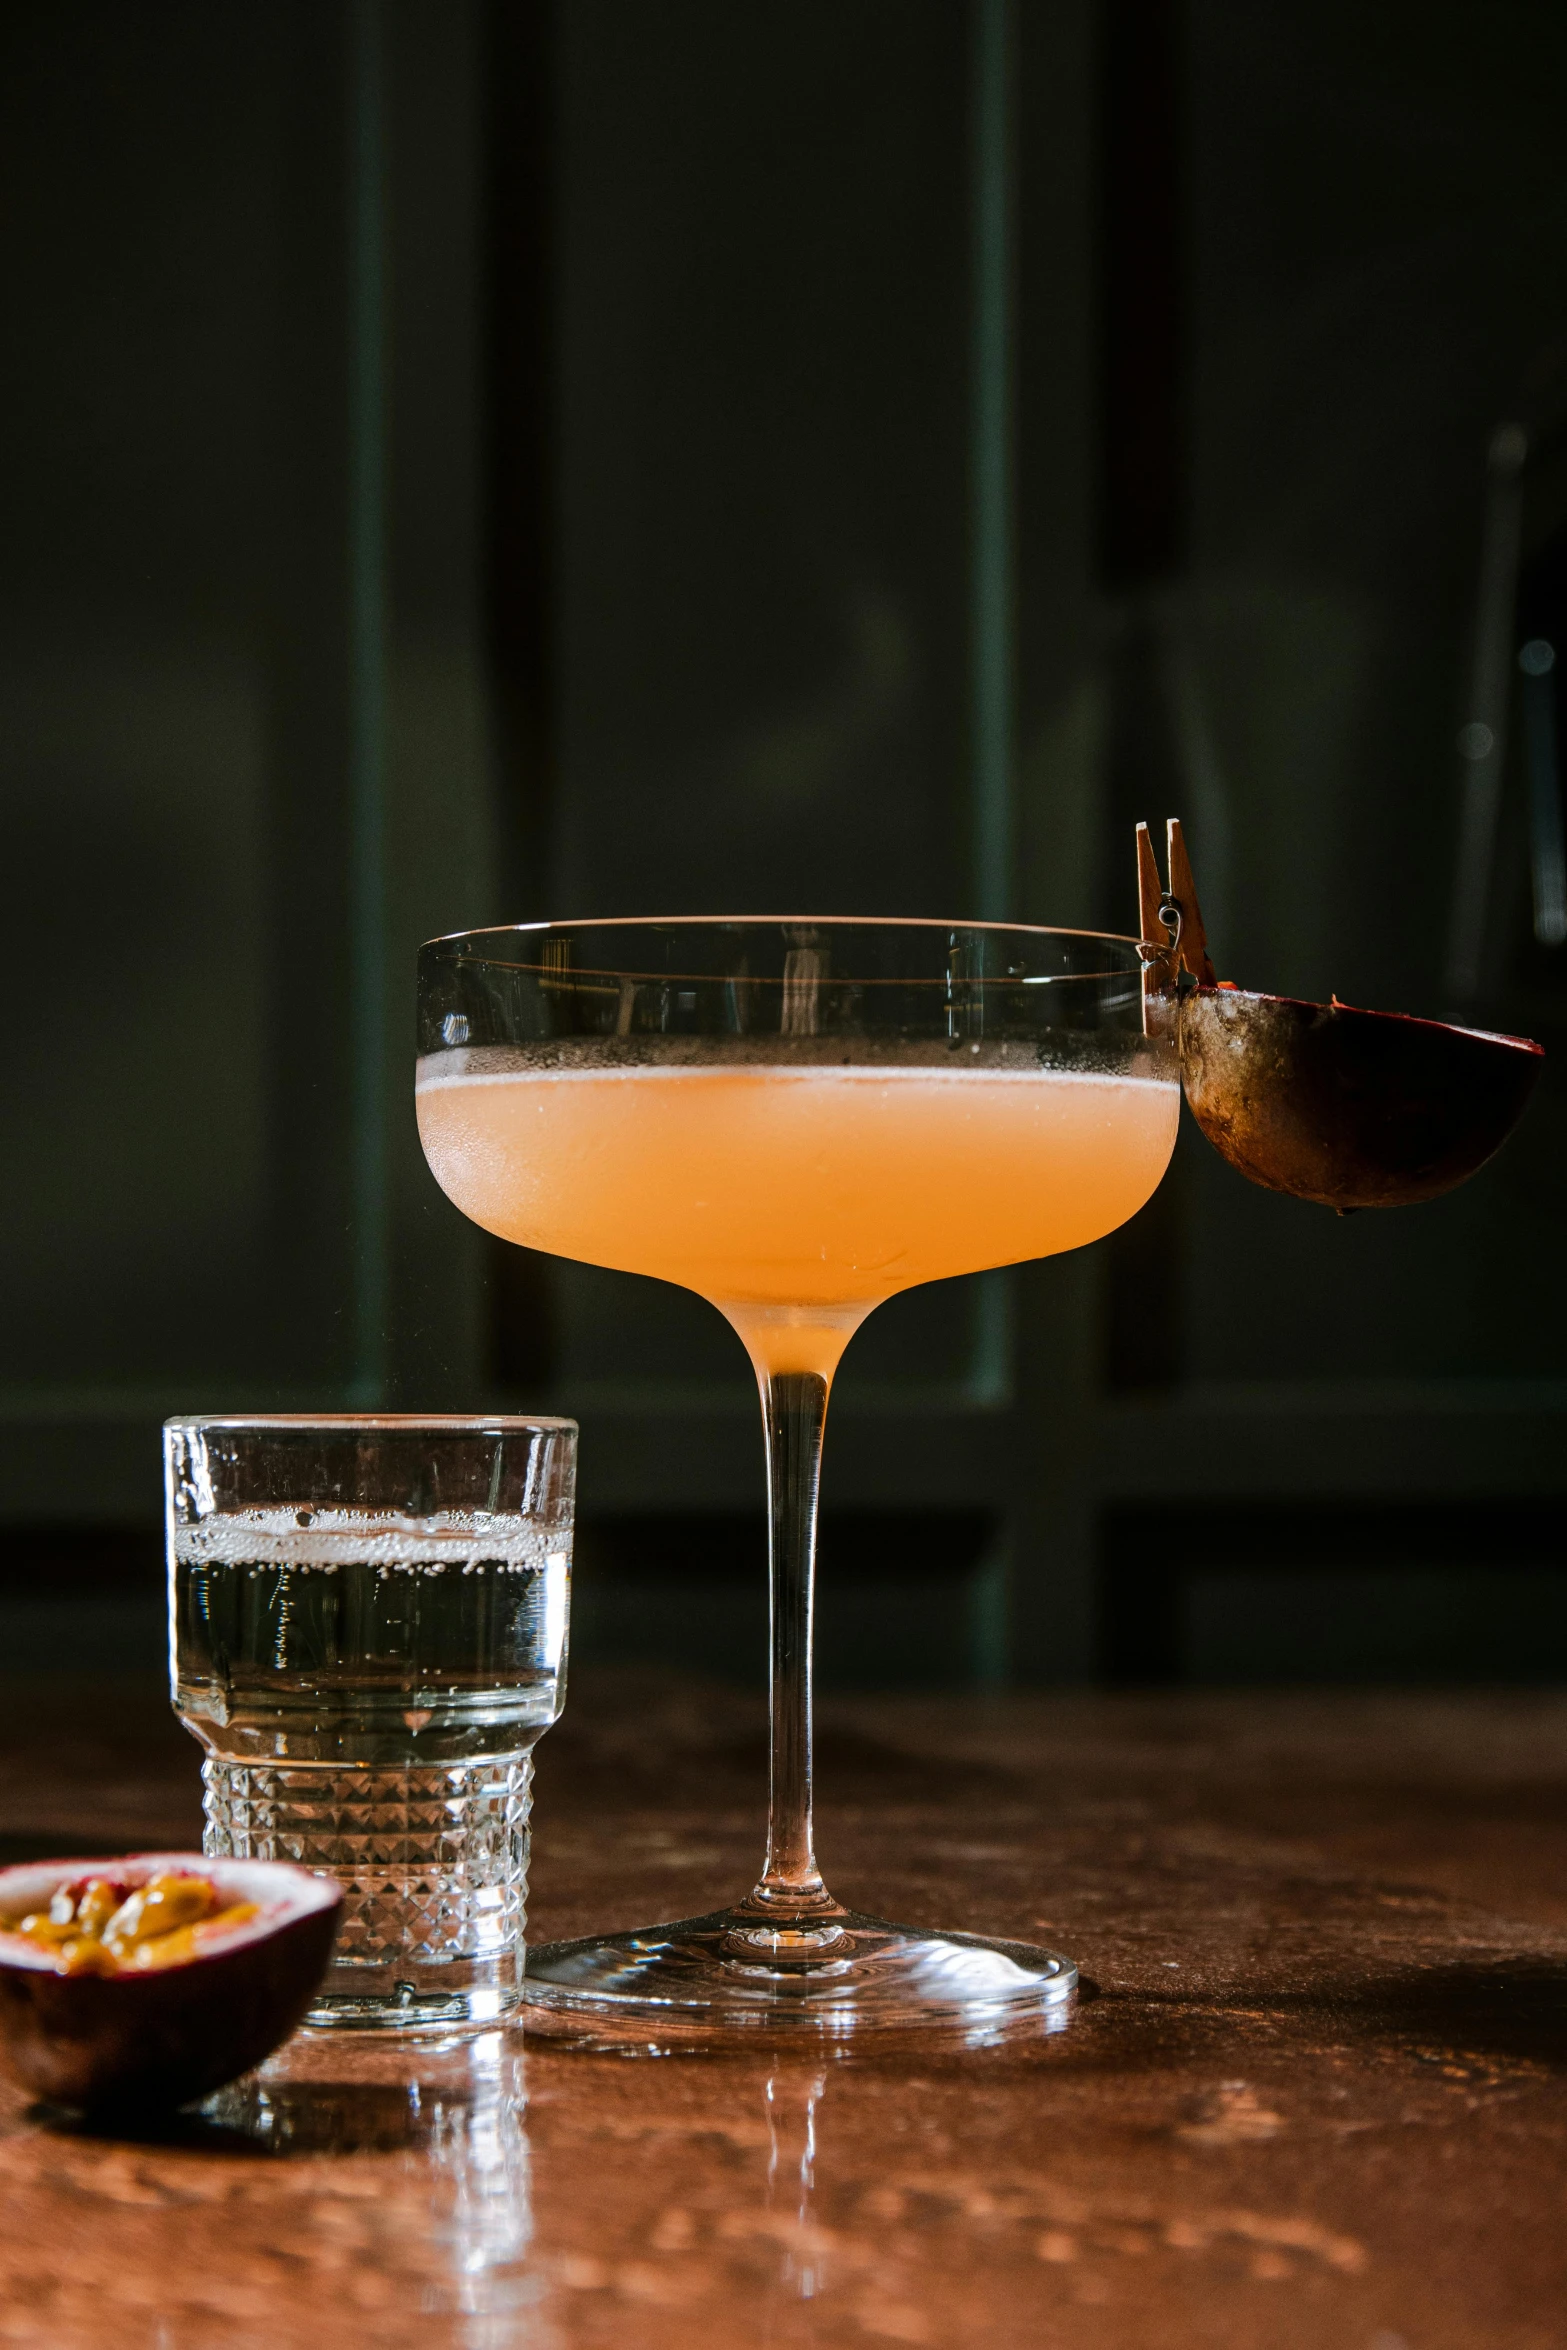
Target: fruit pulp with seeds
[(335, 1636), (100, 1926), (796, 1197)]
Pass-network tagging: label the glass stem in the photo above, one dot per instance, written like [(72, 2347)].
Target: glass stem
[(794, 1412)]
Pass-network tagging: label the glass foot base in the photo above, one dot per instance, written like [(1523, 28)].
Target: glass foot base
[(464, 1995), (711, 1977)]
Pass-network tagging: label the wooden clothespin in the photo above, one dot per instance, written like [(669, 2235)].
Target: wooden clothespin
[(1173, 912)]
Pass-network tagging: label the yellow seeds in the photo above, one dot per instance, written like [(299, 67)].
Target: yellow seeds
[(97, 1905), (238, 1913), (143, 1958), (42, 1926), (86, 1955), (99, 1928), (158, 1907), (183, 1942)]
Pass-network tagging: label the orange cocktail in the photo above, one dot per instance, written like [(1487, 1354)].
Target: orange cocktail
[(795, 1198)]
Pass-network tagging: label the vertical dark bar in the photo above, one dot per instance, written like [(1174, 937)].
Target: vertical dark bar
[(990, 550), (1143, 511), (518, 56), (367, 689), (312, 1237), (1143, 546), (519, 454), (991, 579)]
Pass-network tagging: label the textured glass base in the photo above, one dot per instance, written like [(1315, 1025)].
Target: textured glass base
[(711, 1977), (434, 1869), (409, 1997)]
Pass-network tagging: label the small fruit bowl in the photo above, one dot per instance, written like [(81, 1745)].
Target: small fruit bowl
[(143, 1983)]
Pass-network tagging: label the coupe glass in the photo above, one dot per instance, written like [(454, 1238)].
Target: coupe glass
[(796, 1119)]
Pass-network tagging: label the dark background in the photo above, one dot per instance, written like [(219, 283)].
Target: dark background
[(463, 462)]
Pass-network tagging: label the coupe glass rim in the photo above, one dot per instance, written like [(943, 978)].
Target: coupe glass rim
[(789, 921), (383, 1423)]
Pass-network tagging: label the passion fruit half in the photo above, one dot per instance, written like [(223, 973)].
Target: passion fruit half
[(1352, 1109), (146, 2039)]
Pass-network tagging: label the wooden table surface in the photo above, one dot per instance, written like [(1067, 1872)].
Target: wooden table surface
[(1317, 2096)]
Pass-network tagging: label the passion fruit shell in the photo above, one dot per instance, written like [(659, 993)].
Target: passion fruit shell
[(1350, 1108), (147, 2042)]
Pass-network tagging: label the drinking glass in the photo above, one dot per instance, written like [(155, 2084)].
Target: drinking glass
[(368, 1622), (797, 1119)]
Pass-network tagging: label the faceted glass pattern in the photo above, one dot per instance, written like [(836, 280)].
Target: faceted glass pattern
[(433, 1864)]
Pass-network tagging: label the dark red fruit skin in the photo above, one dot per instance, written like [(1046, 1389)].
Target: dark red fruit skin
[(147, 2043), (1349, 1108)]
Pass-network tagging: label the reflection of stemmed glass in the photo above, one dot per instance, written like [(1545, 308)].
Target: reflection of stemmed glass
[(797, 1119), (790, 2102)]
